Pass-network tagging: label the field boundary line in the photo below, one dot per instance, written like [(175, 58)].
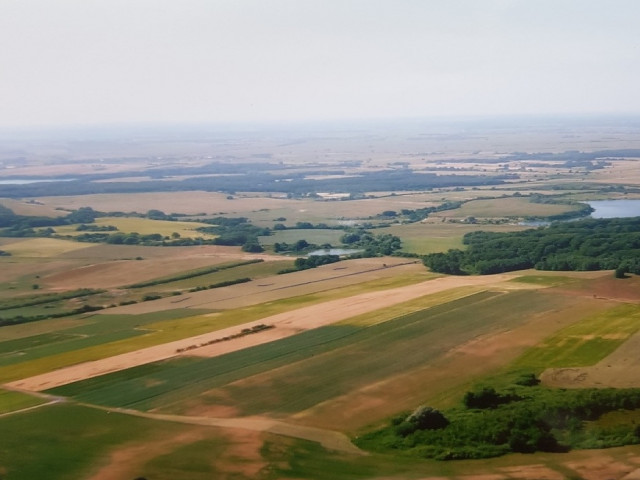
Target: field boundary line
[(26, 409)]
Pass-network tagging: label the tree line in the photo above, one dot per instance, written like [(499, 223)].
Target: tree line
[(591, 244)]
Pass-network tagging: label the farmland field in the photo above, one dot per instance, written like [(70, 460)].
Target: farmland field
[(206, 361), (505, 207), (143, 226), (14, 401), (42, 247), (375, 353), (437, 236), (315, 236)]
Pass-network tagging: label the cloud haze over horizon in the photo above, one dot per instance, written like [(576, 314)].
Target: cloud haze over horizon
[(109, 61)]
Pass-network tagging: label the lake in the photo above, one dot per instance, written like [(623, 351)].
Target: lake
[(615, 208), (27, 181)]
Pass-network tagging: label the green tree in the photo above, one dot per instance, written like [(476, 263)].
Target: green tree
[(427, 418)]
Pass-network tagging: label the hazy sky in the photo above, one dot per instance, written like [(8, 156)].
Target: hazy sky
[(97, 61)]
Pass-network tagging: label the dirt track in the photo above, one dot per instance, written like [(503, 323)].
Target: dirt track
[(286, 324), (329, 439)]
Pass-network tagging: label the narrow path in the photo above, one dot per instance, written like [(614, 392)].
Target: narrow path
[(26, 409)]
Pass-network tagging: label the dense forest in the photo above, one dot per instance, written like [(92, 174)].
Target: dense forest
[(591, 244)]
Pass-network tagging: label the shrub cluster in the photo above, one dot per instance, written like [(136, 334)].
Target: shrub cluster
[(243, 333), (522, 419)]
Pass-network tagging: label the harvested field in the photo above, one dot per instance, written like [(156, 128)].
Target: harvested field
[(30, 208), (607, 286), (43, 247), (328, 277), (297, 320), (119, 273)]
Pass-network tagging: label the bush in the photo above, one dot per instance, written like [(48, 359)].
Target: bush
[(427, 418), (527, 380), (487, 397)]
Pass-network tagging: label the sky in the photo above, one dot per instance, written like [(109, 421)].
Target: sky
[(91, 62)]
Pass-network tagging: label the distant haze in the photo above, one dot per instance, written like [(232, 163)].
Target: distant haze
[(79, 62)]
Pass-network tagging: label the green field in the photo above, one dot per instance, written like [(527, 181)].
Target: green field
[(513, 207), (67, 442), (344, 356), (313, 236), (437, 236)]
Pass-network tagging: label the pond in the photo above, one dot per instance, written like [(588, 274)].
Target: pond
[(335, 251)]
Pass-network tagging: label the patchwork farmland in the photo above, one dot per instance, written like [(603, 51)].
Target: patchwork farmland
[(236, 355)]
